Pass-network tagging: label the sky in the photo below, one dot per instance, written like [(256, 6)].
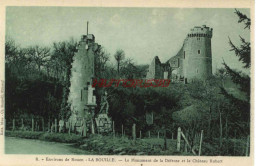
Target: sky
[(142, 33)]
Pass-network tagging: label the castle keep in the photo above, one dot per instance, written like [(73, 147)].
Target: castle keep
[(193, 61)]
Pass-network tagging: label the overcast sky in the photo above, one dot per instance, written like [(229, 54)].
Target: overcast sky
[(141, 32)]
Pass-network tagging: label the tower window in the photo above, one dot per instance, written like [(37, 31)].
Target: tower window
[(197, 71), (184, 55), (198, 51)]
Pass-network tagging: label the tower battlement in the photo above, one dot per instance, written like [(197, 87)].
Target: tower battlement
[(202, 31)]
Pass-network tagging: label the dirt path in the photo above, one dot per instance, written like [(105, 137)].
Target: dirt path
[(29, 146)]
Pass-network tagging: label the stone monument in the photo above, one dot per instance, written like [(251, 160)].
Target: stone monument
[(81, 96)]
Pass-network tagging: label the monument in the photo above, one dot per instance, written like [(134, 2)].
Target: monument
[(104, 123), (82, 96)]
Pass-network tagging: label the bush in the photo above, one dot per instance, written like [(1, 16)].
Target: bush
[(24, 134), (230, 147), (109, 145), (61, 137)]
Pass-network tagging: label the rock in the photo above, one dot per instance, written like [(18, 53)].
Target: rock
[(121, 153), (140, 153), (118, 149)]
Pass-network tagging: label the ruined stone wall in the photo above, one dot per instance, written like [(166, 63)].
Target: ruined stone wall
[(155, 70), (176, 63)]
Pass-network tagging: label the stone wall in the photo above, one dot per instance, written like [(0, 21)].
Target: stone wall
[(155, 69), (176, 64)]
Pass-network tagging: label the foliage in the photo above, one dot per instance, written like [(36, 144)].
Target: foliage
[(109, 145), (102, 57), (243, 18), (37, 79), (23, 134), (129, 105), (61, 137), (62, 58)]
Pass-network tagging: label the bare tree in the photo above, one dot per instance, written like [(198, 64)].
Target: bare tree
[(39, 55)]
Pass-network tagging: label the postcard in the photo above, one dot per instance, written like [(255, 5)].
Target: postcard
[(127, 83)]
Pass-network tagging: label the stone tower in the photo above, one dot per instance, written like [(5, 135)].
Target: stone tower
[(197, 57), (193, 60)]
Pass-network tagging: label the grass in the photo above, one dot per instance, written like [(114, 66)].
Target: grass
[(109, 145), (52, 137), (24, 134), (104, 145)]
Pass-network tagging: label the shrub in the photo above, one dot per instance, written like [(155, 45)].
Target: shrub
[(24, 134), (61, 137)]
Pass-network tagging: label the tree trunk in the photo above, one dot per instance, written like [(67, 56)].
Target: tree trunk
[(122, 130), (49, 124), (134, 132), (55, 126), (209, 126), (226, 126), (114, 132), (220, 128), (32, 124), (165, 140), (13, 124), (22, 124), (36, 126), (118, 64), (43, 129), (179, 139), (39, 68)]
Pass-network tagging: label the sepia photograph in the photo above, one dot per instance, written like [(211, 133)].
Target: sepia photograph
[(120, 81)]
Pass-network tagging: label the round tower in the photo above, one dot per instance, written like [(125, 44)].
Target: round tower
[(197, 57)]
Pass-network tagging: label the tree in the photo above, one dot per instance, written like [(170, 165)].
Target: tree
[(11, 50), (128, 69), (62, 57), (242, 80), (102, 57), (119, 56), (39, 55), (222, 74)]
